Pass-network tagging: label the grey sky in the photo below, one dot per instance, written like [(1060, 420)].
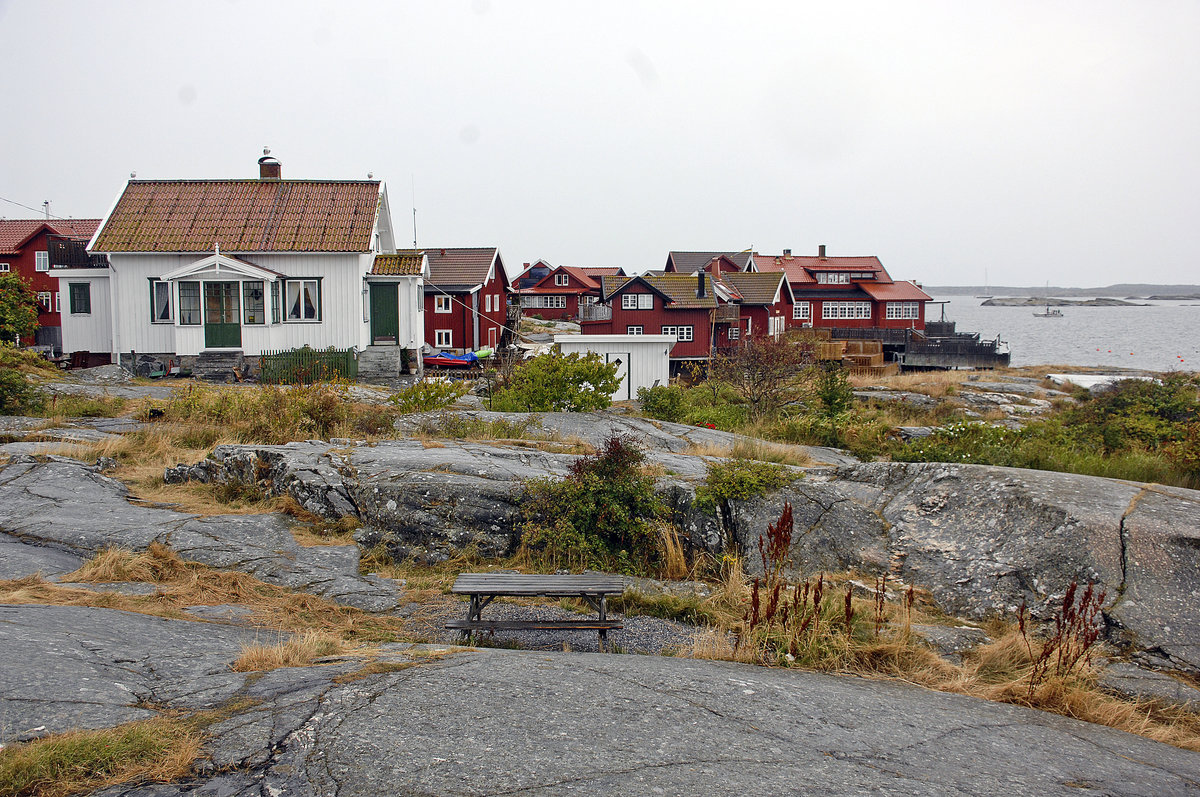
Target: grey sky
[(1040, 141)]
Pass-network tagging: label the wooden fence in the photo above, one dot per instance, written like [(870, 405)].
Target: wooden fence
[(306, 366)]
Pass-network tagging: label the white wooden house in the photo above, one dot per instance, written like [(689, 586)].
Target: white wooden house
[(642, 360), (230, 269)]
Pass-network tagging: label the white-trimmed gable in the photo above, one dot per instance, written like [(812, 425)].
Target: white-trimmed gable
[(218, 266)]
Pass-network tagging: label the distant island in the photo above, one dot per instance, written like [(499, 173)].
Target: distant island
[(1129, 290), (1042, 301)]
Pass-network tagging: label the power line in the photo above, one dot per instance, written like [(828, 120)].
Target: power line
[(35, 210)]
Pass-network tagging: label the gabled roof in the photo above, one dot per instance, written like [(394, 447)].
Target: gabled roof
[(242, 216), (904, 290), (602, 271), (800, 268), (690, 262), (463, 268), (217, 263), (677, 290), (14, 233), (405, 263), (756, 287)]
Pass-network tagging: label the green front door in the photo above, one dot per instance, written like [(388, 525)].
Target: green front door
[(385, 313), (222, 310)]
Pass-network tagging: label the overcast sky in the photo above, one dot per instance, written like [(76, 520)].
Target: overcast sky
[(1032, 141)]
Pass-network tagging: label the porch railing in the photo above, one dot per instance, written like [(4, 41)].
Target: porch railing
[(306, 366)]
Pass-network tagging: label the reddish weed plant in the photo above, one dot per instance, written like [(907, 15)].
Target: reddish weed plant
[(1077, 628)]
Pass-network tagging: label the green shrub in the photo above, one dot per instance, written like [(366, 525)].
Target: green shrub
[(18, 396), (559, 383), (603, 515), (18, 308), (833, 389), (740, 480), (663, 402), (428, 395)]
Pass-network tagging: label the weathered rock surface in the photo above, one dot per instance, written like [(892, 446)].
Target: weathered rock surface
[(980, 539), (70, 667), (61, 512), (503, 722)]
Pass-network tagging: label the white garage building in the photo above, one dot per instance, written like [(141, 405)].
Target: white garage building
[(644, 359)]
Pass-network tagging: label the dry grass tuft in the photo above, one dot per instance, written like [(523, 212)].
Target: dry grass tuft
[(156, 564), (159, 750), (296, 651), (756, 450), (373, 668)]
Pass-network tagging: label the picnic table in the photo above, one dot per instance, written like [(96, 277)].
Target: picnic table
[(483, 588)]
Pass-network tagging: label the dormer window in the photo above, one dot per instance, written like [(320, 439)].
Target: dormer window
[(561, 280), (833, 277)]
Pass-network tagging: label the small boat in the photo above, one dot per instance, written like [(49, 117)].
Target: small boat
[(467, 360), (1050, 312)]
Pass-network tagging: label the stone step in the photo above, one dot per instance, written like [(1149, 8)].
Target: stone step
[(379, 362), (219, 366)]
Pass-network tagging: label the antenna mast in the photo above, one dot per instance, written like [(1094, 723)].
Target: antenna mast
[(414, 203)]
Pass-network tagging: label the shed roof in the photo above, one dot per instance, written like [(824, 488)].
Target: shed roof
[(242, 216), (407, 263)]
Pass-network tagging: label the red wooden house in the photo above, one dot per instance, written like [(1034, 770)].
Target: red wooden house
[(563, 290), (847, 292), (25, 246), (466, 299)]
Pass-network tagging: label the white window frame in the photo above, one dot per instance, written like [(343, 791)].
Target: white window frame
[(637, 301), (634, 329), (5, 267), (44, 301), (846, 310), (443, 338), (562, 280), (287, 290), (801, 311), (71, 297), (154, 288), (681, 333), (735, 332), (58, 301), (833, 277), (442, 304), (903, 310), (41, 261), (196, 313)]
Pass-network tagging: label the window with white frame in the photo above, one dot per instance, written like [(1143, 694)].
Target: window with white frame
[(735, 332), (562, 280), (41, 261), (441, 304), (548, 302), (634, 330), (637, 301), (57, 302), (303, 300), (189, 303), (44, 301), (160, 302), (801, 311), (835, 310), (833, 277), (81, 298), (903, 310), (5, 267), (680, 332), (443, 338)]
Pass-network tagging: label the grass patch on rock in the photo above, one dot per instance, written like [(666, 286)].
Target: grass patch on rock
[(158, 750)]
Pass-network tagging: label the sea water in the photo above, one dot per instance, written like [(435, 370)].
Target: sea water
[(1161, 336)]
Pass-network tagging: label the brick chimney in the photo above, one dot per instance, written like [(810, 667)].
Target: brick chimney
[(268, 167), (821, 251), (787, 252), (716, 268)]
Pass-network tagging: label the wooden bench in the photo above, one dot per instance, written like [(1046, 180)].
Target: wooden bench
[(483, 588)]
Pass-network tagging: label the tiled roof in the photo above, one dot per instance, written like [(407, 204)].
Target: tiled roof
[(755, 287), (602, 271), (689, 262), (406, 263), (460, 267), (242, 216), (15, 232), (797, 267), (896, 292), (610, 285), (681, 290)]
